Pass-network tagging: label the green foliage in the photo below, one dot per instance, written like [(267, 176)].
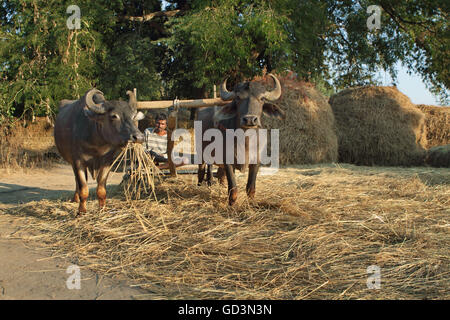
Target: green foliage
[(323, 41), (235, 38), (42, 61), (413, 32)]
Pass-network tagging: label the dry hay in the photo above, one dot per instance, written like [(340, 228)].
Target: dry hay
[(311, 233), (307, 135), (437, 120), (378, 126), (439, 156), (140, 172), (27, 145)]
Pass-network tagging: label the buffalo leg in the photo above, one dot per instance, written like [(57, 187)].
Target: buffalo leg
[(221, 175), (251, 182), (101, 186), (209, 174), (83, 192), (232, 187), (76, 196), (201, 173)]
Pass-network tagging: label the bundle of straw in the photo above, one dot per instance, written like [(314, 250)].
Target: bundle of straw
[(139, 179)]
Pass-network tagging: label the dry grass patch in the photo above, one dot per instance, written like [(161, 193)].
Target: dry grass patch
[(30, 146), (311, 233)]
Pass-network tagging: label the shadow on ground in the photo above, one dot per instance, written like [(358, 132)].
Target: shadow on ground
[(16, 194)]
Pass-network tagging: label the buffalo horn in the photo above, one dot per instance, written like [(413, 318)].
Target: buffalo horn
[(132, 101), (95, 107), (276, 92), (224, 93)]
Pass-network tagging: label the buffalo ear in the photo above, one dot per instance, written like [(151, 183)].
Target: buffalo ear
[(274, 111), (139, 116)]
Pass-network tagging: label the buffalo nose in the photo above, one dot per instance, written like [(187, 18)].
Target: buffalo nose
[(250, 121), (137, 137)]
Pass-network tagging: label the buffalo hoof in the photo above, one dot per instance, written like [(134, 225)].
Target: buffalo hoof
[(82, 208), (208, 183), (232, 197)]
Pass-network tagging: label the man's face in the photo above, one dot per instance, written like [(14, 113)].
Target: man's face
[(161, 125)]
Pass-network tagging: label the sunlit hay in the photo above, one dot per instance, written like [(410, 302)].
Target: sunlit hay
[(307, 135), (310, 233), (29, 145), (379, 126), (439, 156), (437, 121), (140, 172)]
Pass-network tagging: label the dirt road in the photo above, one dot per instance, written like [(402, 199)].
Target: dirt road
[(28, 271)]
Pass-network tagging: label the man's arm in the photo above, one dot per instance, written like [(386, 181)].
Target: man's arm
[(157, 157)]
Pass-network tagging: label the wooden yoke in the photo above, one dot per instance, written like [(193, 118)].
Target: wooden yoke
[(171, 126), (198, 103)]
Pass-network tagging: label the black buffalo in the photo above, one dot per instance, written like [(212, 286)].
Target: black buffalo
[(249, 101), (89, 134)]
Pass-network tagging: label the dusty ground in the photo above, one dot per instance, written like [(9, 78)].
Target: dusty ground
[(28, 271)]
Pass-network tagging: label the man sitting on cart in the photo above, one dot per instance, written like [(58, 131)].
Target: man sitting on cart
[(156, 143)]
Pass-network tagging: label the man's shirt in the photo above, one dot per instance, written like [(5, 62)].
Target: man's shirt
[(155, 142)]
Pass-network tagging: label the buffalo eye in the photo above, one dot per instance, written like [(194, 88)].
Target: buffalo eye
[(115, 117), (262, 98)]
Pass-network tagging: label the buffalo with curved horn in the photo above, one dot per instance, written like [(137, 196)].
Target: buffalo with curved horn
[(89, 133), (250, 101)]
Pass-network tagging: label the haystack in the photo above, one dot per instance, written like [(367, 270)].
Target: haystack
[(379, 126), (439, 156), (307, 135), (437, 121), (27, 145)]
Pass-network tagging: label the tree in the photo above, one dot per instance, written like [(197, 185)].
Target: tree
[(43, 61), (191, 44), (412, 32), (325, 41), (234, 38)]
